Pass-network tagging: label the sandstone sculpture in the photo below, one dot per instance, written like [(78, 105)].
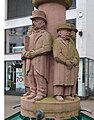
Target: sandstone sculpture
[(66, 59), (53, 62), (40, 43)]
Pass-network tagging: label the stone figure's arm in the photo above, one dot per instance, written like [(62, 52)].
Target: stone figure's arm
[(26, 42), (23, 54), (26, 46), (45, 48), (76, 58), (57, 52)]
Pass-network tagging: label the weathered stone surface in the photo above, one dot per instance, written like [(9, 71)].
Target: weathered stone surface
[(51, 108), (67, 3)]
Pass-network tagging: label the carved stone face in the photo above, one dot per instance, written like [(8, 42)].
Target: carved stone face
[(37, 23), (64, 33)]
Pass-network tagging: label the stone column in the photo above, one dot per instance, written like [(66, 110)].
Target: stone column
[(55, 11), (56, 14)]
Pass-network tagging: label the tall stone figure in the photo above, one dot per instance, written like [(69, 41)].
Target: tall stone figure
[(40, 43), (66, 59)]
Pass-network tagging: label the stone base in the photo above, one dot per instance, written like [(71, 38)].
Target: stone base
[(51, 108)]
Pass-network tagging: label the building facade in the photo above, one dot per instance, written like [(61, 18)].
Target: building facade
[(16, 24)]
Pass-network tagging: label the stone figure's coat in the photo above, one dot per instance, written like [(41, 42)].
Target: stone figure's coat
[(63, 75)]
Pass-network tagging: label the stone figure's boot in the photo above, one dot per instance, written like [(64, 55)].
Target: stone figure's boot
[(41, 88), (69, 98), (75, 95), (38, 97), (27, 93), (31, 96), (59, 98), (33, 89)]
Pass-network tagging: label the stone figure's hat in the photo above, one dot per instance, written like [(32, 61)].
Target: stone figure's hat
[(38, 14), (67, 26), (73, 27)]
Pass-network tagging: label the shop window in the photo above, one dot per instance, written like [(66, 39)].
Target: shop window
[(88, 75), (18, 8), (14, 76), (14, 39), (91, 74), (85, 72)]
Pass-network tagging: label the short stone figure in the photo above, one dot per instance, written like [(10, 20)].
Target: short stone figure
[(73, 32), (66, 59), (76, 68), (40, 43)]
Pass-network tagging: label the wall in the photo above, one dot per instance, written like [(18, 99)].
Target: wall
[(90, 29), (18, 22), (81, 26)]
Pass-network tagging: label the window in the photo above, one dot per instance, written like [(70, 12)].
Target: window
[(18, 8), (88, 75), (91, 74), (14, 76), (11, 45), (14, 39), (72, 21), (73, 4)]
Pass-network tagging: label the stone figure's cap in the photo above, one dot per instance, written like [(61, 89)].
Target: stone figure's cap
[(73, 27), (67, 26), (38, 14)]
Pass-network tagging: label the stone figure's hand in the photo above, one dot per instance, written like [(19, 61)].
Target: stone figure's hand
[(22, 57), (23, 54), (28, 55), (75, 62), (69, 64)]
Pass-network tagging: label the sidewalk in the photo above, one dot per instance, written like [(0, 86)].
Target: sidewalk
[(10, 101), (89, 105)]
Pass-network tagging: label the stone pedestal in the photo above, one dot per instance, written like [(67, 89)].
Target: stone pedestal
[(51, 108)]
